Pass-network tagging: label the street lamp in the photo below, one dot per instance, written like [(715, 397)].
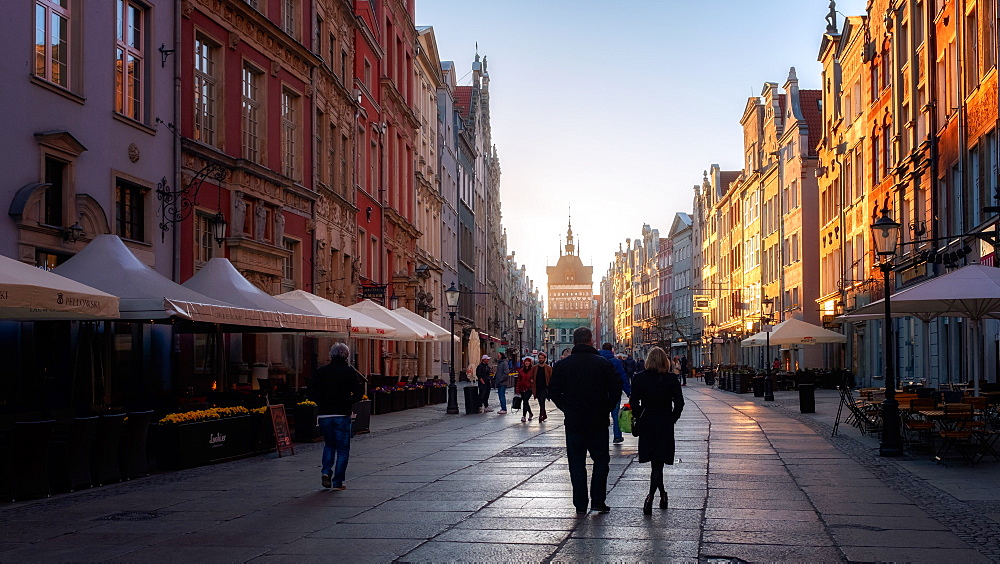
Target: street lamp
[(218, 226), (767, 309), (520, 335), (451, 296), (885, 237), (712, 327)]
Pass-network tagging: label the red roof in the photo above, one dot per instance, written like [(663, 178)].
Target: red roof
[(727, 177), (809, 100), (463, 100)]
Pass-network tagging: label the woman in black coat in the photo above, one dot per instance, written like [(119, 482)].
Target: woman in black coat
[(657, 402)]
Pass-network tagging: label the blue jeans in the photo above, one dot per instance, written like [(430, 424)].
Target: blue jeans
[(337, 434), (502, 394), (614, 420)]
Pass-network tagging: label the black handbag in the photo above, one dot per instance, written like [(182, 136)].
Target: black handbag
[(635, 425), (516, 403)]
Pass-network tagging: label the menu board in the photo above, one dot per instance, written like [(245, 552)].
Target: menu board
[(282, 438)]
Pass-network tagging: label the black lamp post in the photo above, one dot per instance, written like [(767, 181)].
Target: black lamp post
[(520, 335), (451, 295), (885, 237), (767, 309), (711, 343)]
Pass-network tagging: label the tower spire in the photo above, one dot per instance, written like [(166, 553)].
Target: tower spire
[(570, 247)]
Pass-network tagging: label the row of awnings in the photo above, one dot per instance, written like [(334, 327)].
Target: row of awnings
[(106, 280)]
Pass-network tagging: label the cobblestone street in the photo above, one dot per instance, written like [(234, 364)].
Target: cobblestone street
[(752, 482)]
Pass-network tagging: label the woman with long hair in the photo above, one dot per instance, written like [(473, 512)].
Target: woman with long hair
[(525, 383), (543, 372), (657, 402)]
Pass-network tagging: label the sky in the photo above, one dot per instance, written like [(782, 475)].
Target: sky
[(614, 114)]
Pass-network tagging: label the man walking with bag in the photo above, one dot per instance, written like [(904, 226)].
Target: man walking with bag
[(586, 387)]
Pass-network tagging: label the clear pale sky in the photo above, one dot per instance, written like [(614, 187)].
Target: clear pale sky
[(616, 108)]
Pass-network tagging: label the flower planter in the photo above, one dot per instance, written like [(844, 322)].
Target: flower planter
[(381, 403), (438, 394), (194, 444), (410, 398), (306, 424), (398, 400), (421, 396), (362, 417)]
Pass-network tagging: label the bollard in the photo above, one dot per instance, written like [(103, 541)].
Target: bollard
[(807, 398)]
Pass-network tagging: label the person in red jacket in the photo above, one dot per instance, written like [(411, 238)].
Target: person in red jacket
[(525, 383)]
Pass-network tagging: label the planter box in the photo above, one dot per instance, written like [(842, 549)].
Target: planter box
[(421, 397), (381, 403), (362, 417), (306, 424), (398, 400), (438, 394), (410, 398), (195, 444)]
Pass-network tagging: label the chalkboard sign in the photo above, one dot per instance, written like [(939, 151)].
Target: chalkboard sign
[(282, 438)]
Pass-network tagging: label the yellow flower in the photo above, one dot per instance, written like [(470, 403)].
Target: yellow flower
[(309, 403)]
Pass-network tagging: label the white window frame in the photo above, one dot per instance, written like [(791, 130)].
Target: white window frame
[(130, 63), (289, 132), (206, 55), (251, 125), (45, 57)]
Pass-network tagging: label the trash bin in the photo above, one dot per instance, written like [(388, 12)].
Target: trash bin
[(471, 399), (807, 398), (758, 386)]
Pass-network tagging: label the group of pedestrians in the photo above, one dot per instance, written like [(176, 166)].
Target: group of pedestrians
[(585, 384)]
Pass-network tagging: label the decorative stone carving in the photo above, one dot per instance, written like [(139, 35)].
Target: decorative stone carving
[(133, 152), (275, 67), (279, 227), (310, 225), (186, 9), (239, 213), (234, 40), (260, 222)]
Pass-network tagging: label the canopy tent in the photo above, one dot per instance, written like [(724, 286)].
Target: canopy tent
[(439, 333), (29, 293), (144, 294), (219, 279), (406, 330), (972, 291), (362, 326)]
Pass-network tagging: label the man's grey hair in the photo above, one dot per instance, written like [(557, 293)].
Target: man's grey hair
[(583, 336), (340, 350)]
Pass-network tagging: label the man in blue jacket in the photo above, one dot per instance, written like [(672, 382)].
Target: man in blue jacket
[(608, 353)]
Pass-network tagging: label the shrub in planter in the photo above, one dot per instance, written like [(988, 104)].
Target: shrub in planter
[(194, 438), (381, 401), (410, 398), (306, 423)]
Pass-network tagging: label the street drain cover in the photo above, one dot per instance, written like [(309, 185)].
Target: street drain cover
[(133, 516), (517, 452)]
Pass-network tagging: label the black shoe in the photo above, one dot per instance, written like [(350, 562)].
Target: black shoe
[(581, 511), (600, 507), (663, 500), (647, 506)]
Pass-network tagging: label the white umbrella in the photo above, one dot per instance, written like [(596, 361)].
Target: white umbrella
[(29, 293), (797, 332), (439, 333), (755, 340), (362, 326), (406, 330), (972, 291)]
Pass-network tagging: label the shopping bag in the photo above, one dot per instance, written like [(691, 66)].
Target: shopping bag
[(516, 403), (625, 420)]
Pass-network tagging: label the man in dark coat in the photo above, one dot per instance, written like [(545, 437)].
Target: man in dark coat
[(483, 377), (335, 388), (586, 388)]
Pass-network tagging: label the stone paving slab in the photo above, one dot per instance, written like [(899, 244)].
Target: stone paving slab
[(753, 480)]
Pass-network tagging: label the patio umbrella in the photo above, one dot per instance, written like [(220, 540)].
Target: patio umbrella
[(755, 340), (406, 330), (439, 333), (797, 332), (971, 291), (30, 293), (362, 326)]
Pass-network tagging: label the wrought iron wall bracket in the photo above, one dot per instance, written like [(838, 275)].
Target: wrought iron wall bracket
[(176, 205)]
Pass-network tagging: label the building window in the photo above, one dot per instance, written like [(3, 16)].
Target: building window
[(129, 59), (205, 61), (47, 261), (288, 19), (129, 210), (368, 75), (333, 162), (52, 41), (251, 113), (289, 131), (203, 239), (251, 3), (288, 263), (55, 176)]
